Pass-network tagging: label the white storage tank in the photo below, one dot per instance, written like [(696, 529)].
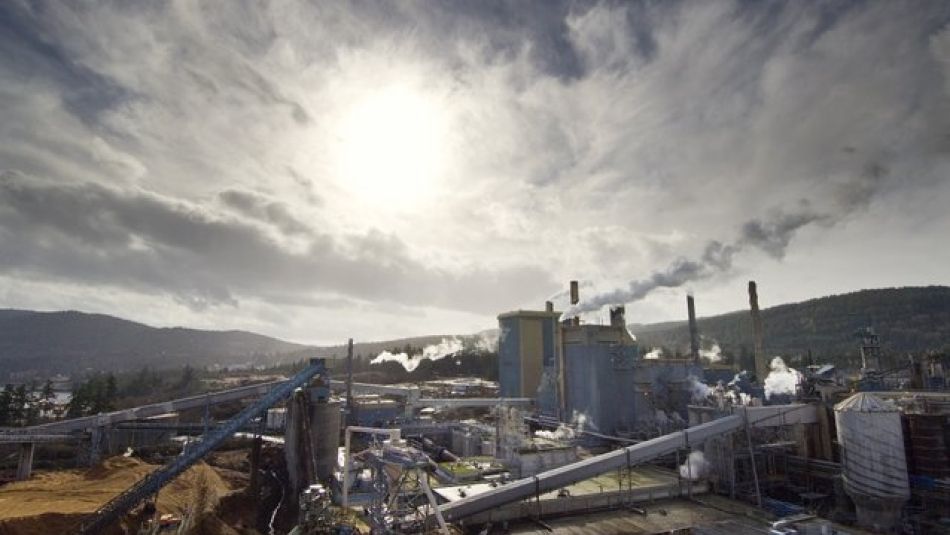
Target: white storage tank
[(873, 464)]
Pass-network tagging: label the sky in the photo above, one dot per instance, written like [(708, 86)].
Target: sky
[(323, 170)]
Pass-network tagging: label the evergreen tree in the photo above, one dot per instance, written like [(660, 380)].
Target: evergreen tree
[(6, 404)]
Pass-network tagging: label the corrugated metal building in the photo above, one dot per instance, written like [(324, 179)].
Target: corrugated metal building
[(589, 375), (528, 343)]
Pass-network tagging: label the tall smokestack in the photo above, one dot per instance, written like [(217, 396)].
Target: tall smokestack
[(350, 417), (575, 298), (618, 316), (761, 367), (693, 330)]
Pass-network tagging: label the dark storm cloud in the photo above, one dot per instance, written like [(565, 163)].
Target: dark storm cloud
[(93, 234)]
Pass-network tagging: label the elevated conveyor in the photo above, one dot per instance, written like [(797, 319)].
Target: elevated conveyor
[(588, 468), (110, 512)]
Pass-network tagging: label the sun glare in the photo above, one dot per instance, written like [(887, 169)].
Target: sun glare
[(393, 147)]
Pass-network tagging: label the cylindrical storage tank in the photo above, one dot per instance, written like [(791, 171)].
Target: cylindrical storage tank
[(325, 431), (873, 464)]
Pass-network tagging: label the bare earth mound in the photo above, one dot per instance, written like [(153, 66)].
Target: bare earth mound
[(54, 501)]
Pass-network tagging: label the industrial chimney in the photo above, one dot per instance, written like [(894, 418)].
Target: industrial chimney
[(618, 316), (761, 366), (693, 330), (575, 298)]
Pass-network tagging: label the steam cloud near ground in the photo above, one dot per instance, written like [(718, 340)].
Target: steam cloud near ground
[(695, 467), (782, 379)]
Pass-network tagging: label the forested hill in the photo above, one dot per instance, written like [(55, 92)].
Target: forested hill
[(69, 342), (911, 319)]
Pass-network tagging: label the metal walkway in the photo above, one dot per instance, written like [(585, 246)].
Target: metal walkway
[(121, 504)]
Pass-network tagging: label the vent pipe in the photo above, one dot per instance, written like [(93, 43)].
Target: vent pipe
[(548, 306), (761, 366), (693, 330)]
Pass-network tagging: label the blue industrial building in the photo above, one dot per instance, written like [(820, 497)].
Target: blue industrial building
[(589, 375)]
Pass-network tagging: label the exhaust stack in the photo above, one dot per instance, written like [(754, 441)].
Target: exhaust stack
[(618, 316), (761, 367), (693, 330), (575, 298)]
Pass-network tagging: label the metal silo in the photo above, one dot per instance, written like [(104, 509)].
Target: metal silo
[(872, 459)]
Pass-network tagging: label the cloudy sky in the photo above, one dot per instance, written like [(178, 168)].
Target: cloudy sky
[(321, 170)]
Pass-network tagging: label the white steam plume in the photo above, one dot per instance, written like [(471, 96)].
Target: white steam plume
[(698, 390), (488, 340), (713, 354), (695, 467), (445, 348), (654, 354), (782, 379), (562, 432)]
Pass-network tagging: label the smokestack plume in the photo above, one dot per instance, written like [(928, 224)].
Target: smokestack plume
[(693, 330), (761, 367), (771, 235)]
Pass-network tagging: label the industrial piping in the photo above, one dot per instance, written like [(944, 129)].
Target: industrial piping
[(572, 473)]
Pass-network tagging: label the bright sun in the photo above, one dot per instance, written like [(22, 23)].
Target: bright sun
[(393, 147)]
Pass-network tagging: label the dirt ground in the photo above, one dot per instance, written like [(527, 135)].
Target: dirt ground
[(53, 502)]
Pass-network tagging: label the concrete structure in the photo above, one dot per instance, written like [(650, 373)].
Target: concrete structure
[(537, 455), (761, 366), (873, 462)]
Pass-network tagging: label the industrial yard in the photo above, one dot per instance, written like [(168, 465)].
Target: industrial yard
[(584, 433)]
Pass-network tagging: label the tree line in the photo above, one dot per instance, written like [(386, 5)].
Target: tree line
[(26, 404)]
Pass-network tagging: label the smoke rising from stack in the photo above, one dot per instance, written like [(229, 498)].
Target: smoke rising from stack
[(771, 235)]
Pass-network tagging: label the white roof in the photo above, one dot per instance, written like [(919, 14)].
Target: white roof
[(865, 402)]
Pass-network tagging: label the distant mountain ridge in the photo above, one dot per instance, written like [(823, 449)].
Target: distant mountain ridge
[(71, 342), (909, 319)]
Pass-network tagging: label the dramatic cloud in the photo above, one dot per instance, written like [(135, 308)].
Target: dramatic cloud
[(374, 170)]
